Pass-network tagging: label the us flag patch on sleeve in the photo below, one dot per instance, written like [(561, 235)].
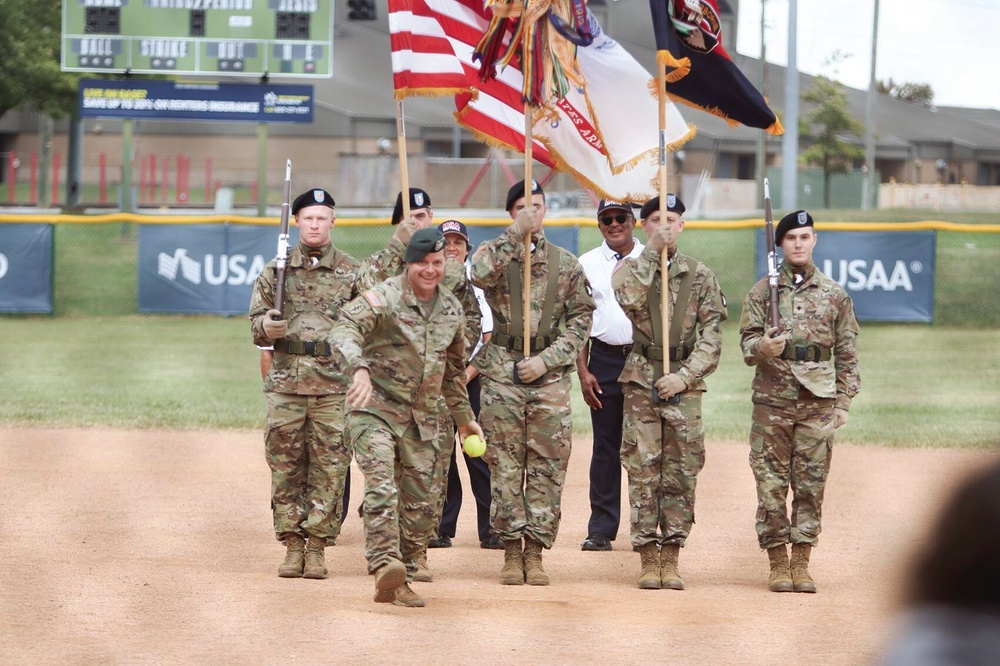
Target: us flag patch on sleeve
[(375, 299)]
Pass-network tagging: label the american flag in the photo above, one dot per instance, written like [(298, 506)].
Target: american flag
[(605, 134)]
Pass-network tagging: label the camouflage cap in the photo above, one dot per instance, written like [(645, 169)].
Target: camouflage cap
[(799, 218), (674, 205), (424, 242), (418, 199), (308, 198)]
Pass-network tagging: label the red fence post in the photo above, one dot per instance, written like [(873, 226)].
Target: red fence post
[(102, 161), (165, 183), (152, 178), (34, 178), (11, 176), (55, 178)]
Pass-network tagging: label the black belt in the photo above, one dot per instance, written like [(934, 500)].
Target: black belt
[(655, 352), (812, 353), (302, 347), (623, 350), (516, 342)]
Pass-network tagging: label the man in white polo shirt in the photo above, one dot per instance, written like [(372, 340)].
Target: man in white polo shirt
[(599, 366)]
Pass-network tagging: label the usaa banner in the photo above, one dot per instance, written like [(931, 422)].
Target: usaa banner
[(26, 268), (889, 275), (202, 268)]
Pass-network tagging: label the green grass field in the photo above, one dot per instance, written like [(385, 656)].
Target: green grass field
[(921, 386)]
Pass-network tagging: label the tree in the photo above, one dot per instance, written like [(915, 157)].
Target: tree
[(825, 128), (920, 94), (30, 43)]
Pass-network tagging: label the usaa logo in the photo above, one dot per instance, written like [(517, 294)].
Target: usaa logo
[(224, 269), (861, 275), (4, 265)]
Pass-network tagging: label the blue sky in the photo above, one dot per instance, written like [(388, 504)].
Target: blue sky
[(954, 45)]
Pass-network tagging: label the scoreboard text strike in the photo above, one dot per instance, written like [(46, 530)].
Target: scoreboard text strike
[(230, 37)]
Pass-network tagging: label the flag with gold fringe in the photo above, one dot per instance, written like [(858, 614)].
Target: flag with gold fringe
[(700, 73)]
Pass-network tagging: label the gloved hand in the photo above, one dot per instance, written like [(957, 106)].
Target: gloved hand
[(530, 369), (525, 221), (839, 417), (660, 238), (274, 326), (405, 230), (669, 385), (771, 344)]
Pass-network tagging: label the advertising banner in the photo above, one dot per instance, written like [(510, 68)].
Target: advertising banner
[(26, 268), (889, 275), (174, 100), (202, 268)]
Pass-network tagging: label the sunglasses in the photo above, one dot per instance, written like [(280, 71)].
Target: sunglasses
[(608, 220)]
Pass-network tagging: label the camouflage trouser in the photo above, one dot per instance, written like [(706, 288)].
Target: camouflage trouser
[(529, 439), (663, 449), (791, 442), (445, 445), (305, 449), (400, 499)]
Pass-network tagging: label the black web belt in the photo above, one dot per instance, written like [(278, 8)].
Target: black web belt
[(812, 353), (303, 348)]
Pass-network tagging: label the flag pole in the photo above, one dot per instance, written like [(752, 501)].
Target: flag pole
[(528, 190), (661, 87), (404, 175)]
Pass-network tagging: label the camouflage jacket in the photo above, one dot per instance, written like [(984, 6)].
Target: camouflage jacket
[(572, 312), (412, 360), (314, 297), (817, 312), (702, 316), (388, 262)]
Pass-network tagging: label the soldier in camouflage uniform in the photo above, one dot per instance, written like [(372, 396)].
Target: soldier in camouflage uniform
[(387, 263), (663, 438), (525, 402), (806, 376), (305, 387), (403, 343)]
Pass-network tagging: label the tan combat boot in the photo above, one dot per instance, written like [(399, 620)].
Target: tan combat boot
[(781, 579), (314, 565), (801, 580), (292, 566), (513, 563), (669, 578), (423, 573), (405, 596), (534, 574), (649, 556), (387, 579)]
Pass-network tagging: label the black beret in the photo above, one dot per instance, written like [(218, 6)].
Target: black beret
[(517, 191), (424, 242), (674, 205), (418, 199), (312, 198), (799, 218)]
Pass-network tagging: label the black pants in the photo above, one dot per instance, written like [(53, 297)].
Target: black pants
[(606, 464), (479, 476)]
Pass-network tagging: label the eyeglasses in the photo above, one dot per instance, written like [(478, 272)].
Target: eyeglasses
[(608, 220)]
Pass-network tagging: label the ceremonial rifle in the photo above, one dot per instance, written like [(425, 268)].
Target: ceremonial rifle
[(774, 319), (282, 258)]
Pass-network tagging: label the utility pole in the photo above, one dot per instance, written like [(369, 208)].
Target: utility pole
[(762, 137), (869, 183), (790, 140)]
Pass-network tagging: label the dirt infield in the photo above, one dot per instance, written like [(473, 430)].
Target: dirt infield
[(155, 546)]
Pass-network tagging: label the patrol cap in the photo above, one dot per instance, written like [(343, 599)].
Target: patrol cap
[(674, 205), (424, 242), (312, 198), (609, 204), (799, 218), (517, 191), (418, 199), (455, 227)]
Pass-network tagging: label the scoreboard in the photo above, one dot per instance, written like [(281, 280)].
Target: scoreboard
[(291, 38)]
